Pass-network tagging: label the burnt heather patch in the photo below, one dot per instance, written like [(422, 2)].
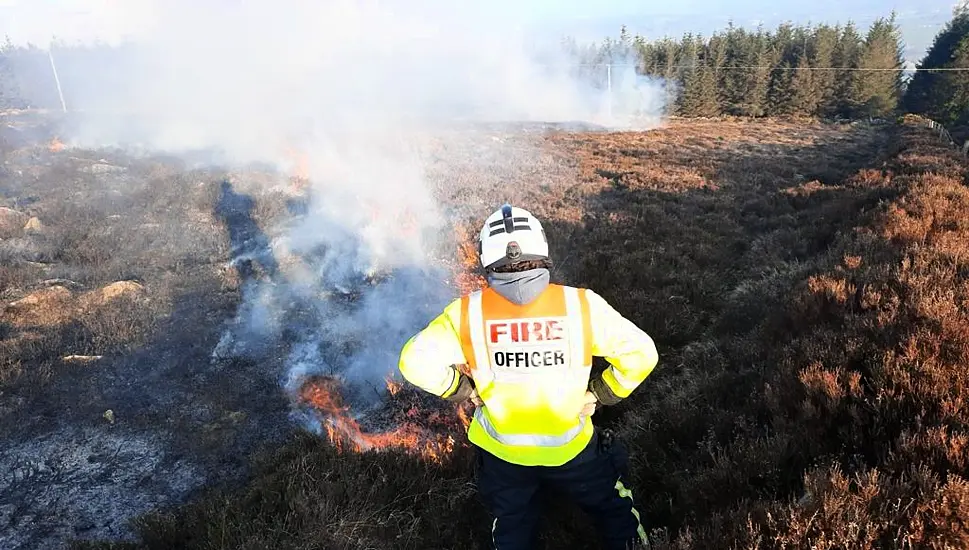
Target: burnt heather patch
[(805, 284)]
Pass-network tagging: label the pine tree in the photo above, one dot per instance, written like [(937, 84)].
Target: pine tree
[(936, 93), (875, 88), (716, 59), (643, 65), (821, 53), (9, 90), (758, 84), (657, 58), (781, 94), (955, 88), (671, 56), (688, 59), (780, 91), (671, 59), (738, 86), (846, 54), (805, 96), (699, 94), (623, 49)]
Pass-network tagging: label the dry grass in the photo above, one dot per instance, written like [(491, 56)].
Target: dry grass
[(135, 223), (114, 303), (834, 417), (806, 284)]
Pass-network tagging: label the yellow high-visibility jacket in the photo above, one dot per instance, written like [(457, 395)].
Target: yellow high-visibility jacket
[(530, 365)]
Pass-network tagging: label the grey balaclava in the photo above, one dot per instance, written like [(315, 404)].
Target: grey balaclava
[(522, 287)]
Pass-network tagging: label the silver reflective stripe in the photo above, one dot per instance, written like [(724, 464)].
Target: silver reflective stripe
[(539, 440), (623, 381), (573, 309), (476, 323), (640, 530)]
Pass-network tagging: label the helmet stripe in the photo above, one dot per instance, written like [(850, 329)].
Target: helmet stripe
[(502, 222), (509, 221), (499, 230)]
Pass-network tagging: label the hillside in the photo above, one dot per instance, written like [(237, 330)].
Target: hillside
[(805, 283)]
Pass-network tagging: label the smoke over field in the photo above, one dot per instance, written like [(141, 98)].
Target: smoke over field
[(344, 95), (254, 79), (807, 311), (249, 209), (789, 273), (279, 193)]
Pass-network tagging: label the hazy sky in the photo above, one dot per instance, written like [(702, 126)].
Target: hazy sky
[(38, 20)]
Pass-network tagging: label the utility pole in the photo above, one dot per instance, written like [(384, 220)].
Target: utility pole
[(609, 87), (57, 80)]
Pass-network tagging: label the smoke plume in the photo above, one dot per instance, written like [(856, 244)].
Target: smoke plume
[(355, 86)]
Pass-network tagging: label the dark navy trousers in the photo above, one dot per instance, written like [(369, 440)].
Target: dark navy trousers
[(594, 479)]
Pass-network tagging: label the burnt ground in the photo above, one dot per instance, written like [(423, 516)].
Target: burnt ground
[(142, 414), (129, 378), (694, 231)]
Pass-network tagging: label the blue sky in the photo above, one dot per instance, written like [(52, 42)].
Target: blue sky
[(38, 20)]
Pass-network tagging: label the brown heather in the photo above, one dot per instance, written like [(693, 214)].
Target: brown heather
[(806, 285)]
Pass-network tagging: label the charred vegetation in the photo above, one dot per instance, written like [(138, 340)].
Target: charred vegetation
[(806, 284)]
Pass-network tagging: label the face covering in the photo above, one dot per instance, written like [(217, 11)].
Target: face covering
[(522, 287)]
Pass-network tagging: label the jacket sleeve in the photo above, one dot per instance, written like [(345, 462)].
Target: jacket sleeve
[(631, 353), (429, 358)]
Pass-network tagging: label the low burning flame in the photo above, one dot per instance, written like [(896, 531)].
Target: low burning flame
[(418, 430), (300, 176), (467, 279), (56, 145), (419, 423)]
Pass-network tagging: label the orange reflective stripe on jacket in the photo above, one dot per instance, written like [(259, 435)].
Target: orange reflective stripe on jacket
[(533, 390), (531, 365)]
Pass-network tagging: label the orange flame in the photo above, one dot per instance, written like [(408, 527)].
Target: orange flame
[(467, 279), (463, 416), (393, 386), (419, 431), (301, 171), (56, 145)]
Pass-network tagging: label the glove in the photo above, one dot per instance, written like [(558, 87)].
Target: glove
[(465, 392), (602, 392)]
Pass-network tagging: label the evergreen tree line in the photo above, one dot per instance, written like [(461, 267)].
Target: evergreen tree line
[(821, 71), (793, 70), (943, 95), (9, 94)]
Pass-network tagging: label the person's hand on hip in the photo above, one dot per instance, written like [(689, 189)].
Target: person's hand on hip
[(589, 403)]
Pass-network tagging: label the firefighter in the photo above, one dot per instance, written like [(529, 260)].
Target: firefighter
[(521, 350)]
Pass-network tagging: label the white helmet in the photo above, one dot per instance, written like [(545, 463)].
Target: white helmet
[(511, 235)]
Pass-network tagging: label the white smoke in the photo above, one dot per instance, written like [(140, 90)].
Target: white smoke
[(355, 85)]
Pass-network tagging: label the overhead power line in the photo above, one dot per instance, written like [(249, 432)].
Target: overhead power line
[(779, 68), (862, 69)]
